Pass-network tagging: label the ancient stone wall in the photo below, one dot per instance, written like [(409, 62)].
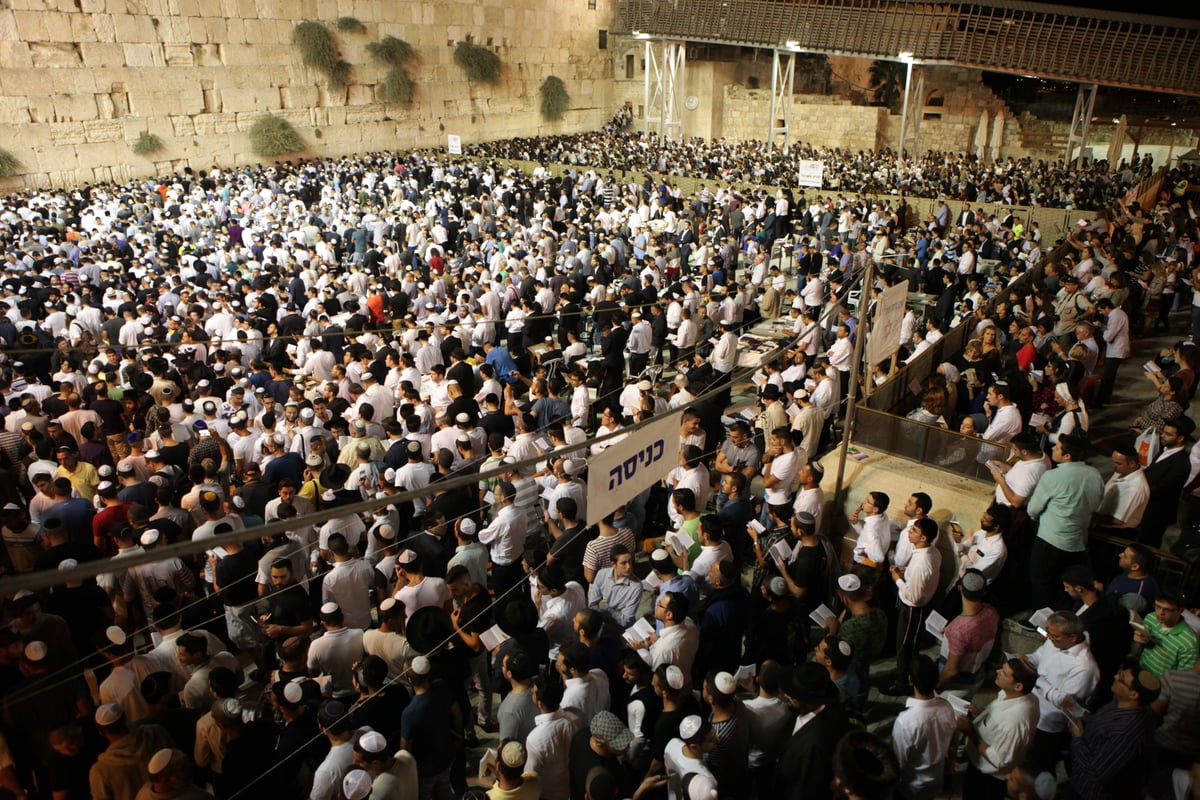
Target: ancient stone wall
[(80, 80)]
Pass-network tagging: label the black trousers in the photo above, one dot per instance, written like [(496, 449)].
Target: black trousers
[(978, 786), (1046, 566), (1107, 380), (910, 621)]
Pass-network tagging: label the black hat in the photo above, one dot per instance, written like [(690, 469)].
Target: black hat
[(810, 683), (428, 629)]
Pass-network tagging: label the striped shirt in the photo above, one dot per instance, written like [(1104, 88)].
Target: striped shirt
[(1174, 648), (598, 553)]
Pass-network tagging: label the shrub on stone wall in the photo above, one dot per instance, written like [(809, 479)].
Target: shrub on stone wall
[(396, 87), (318, 51), (146, 144), (274, 136), (350, 25), (479, 62), (391, 51), (9, 164), (555, 100)]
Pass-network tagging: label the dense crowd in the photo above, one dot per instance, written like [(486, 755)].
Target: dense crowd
[(975, 179), (190, 358)]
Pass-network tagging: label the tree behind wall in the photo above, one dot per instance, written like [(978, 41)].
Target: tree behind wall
[(887, 81)]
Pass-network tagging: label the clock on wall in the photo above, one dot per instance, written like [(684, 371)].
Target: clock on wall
[(692, 102)]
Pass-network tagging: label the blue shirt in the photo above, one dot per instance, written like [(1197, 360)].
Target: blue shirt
[(503, 363)]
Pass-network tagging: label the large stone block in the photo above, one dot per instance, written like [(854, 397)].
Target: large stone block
[(14, 111), (182, 125), (75, 107), (92, 6), (144, 55), (8, 26), (105, 130), (31, 25), (63, 133), (211, 124), (14, 55)]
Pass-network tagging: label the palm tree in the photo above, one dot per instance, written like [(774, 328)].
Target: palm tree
[(887, 79)]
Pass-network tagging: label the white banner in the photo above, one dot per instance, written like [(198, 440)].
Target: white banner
[(454, 144), (632, 465), (810, 173), (885, 328)]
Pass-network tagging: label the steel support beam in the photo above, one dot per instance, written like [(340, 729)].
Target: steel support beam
[(783, 83), (1081, 123), (663, 111), (911, 112)]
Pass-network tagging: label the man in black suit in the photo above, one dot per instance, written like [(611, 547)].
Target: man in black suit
[(1107, 627), (806, 768), (1166, 476), (612, 348)]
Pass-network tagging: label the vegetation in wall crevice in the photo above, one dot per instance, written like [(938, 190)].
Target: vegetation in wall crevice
[(555, 100), (272, 135), (147, 143), (479, 62)]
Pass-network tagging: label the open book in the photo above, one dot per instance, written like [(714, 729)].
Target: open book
[(1040, 617), (652, 581), (493, 637), (1137, 622), (678, 541), (745, 676), (638, 631), (961, 707), (781, 551), (487, 763), (821, 615), (936, 624)]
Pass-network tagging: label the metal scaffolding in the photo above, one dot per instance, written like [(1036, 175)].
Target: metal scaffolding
[(1046, 41), (783, 82), (1081, 123), (665, 60), (911, 112)]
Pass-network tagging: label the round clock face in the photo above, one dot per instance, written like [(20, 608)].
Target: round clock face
[(692, 102)]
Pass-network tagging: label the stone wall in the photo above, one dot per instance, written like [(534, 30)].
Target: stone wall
[(81, 79)]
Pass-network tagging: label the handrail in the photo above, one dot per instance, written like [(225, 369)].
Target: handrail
[(963, 455)]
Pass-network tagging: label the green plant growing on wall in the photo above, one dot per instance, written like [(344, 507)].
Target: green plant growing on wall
[(318, 51), (350, 25), (274, 136), (147, 143), (555, 100), (480, 63), (391, 51), (752, 82), (9, 164), (396, 87)]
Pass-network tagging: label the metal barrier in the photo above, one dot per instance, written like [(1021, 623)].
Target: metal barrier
[(929, 445)]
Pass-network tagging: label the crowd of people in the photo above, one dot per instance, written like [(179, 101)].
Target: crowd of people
[(961, 176), (450, 343)]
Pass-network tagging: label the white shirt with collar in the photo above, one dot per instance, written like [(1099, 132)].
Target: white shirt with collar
[(586, 696), (920, 581), (676, 645), (921, 739), (1005, 424), (548, 747), (1007, 726), (1125, 498), (1061, 674), (874, 536)]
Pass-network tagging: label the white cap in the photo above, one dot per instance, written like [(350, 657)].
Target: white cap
[(68, 563), (725, 683), (149, 537), (314, 460), (406, 557), (700, 787), (372, 742), (160, 761), (329, 608), (849, 582), (35, 652), (152, 455), (421, 665), (104, 486), (116, 635), (356, 785), (674, 677), (690, 726), (307, 413), (293, 692), (108, 714), (467, 527), (513, 754)]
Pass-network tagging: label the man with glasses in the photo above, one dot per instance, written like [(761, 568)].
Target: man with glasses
[(1067, 676), (739, 453), (1166, 641)]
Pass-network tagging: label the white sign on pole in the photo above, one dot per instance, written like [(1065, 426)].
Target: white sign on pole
[(454, 145), (632, 465), (810, 173), (885, 329)]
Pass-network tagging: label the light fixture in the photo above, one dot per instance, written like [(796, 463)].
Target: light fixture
[(906, 56), (640, 35), (792, 44)]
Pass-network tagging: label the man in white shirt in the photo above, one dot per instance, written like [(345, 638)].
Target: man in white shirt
[(1067, 676), (780, 465), (549, 743), (585, 690), (1116, 335), (1002, 734), (505, 538), (680, 638), (1126, 494), (985, 550), (916, 584), (921, 734), (1015, 484), (1005, 420), (873, 529)]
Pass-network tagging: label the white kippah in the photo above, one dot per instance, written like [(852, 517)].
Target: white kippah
[(149, 537), (115, 635), (160, 761), (421, 665), (674, 677), (108, 714), (293, 692), (356, 785), (329, 608), (690, 727), (372, 742), (725, 683), (849, 583), (467, 527)]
